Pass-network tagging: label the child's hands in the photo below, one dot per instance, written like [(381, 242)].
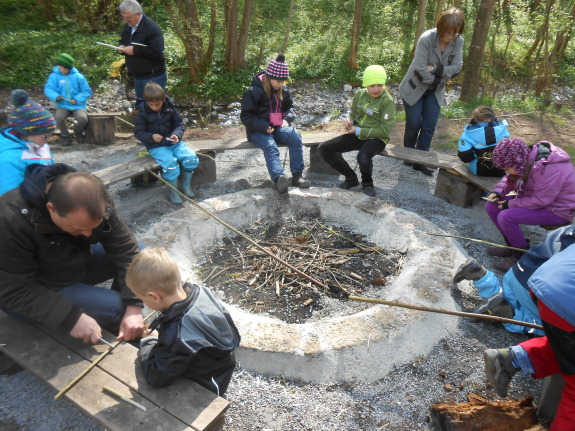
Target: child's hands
[(270, 130), (157, 138), (347, 123), (174, 139), (149, 333), (493, 197)]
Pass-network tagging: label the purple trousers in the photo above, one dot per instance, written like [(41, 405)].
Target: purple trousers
[(508, 221)]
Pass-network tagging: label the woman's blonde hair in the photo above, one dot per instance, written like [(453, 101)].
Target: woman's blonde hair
[(452, 19), (268, 88), (153, 269)]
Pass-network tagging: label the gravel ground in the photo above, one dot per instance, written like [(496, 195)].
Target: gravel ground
[(400, 401)]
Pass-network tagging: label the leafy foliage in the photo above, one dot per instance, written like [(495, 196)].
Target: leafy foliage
[(318, 42)]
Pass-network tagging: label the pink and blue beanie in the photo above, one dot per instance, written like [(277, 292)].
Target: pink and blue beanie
[(278, 69), (511, 153), (29, 118)]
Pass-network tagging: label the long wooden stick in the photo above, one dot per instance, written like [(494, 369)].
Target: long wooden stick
[(476, 240), (93, 364), (442, 311), (87, 370)]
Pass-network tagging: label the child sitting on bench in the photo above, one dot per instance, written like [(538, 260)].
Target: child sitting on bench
[(197, 335), (478, 140), (160, 128)]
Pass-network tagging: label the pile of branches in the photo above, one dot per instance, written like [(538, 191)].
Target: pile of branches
[(333, 257)]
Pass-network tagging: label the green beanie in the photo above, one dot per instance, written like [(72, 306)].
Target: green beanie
[(374, 75), (65, 60)]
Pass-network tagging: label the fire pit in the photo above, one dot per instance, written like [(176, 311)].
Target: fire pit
[(331, 346)]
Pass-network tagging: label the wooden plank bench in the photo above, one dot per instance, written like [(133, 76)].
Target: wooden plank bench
[(58, 359), (206, 149), (456, 184)]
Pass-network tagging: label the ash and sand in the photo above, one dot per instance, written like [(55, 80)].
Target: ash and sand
[(400, 401)]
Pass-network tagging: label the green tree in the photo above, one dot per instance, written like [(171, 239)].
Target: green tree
[(186, 21)]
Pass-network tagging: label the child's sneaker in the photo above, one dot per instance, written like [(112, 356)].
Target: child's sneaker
[(470, 270), (499, 369)]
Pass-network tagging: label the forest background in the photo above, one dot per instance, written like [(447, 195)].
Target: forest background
[(213, 47)]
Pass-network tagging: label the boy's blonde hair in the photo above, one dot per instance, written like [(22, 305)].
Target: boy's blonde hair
[(153, 269), (154, 93)]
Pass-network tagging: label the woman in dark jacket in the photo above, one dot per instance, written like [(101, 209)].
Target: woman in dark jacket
[(267, 113)]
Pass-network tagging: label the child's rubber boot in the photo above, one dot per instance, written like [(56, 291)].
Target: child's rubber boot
[(173, 195), (186, 180)]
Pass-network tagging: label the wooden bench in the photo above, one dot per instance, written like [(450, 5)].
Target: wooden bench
[(207, 149), (58, 359), (456, 184)]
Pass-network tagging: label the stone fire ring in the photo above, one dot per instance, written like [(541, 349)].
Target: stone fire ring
[(361, 347)]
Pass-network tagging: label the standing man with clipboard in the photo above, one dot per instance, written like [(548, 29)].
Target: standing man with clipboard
[(142, 43)]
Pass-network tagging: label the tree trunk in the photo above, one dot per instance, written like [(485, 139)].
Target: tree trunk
[(541, 32), (288, 28), (421, 8), (352, 59), (476, 52), (186, 21), (235, 50), (46, 6), (438, 10), (552, 63)]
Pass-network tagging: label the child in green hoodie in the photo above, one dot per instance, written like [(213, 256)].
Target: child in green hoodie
[(367, 130)]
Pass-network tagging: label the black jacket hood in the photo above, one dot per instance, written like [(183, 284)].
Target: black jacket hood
[(36, 179)]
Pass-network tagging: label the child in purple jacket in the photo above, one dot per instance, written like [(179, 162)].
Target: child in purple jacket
[(539, 189)]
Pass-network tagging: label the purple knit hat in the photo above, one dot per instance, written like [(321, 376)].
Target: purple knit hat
[(511, 153), (278, 69), (29, 118)]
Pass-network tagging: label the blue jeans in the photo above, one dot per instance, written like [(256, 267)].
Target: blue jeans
[(282, 135), (171, 157), (139, 85), (103, 305), (420, 122)]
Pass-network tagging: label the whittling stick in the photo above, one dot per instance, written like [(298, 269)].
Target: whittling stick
[(87, 370), (93, 364), (123, 398)]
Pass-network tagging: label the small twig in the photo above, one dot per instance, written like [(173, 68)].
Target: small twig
[(123, 398)]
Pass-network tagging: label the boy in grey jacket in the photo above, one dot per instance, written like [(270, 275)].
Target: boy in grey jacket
[(196, 335)]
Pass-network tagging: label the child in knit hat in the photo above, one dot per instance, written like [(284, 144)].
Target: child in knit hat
[(267, 113), (69, 89), (24, 141), (539, 189), (367, 130)]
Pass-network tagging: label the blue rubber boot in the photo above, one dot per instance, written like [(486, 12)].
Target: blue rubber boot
[(186, 180)]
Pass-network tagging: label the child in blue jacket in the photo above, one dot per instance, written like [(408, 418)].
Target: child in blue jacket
[(70, 91), (478, 140), (25, 140), (161, 128)]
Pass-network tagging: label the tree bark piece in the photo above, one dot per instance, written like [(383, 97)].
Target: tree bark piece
[(482, 415)]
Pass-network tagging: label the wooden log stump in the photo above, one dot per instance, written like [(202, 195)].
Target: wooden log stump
[(479, 414), (101, 130)]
